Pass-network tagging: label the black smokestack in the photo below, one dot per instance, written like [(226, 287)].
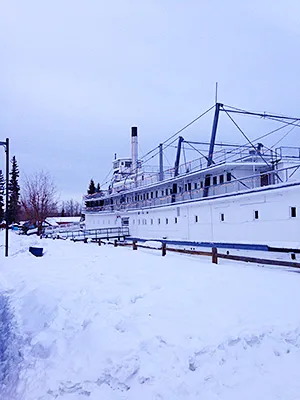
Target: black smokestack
[(133, 131)]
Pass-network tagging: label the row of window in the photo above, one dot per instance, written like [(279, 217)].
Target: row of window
[(293, 214), (143, 221), (187, 187), (159, 221), (215, 180)]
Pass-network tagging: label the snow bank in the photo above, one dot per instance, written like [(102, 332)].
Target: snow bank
[(153, 243), (100, 322), (10, 357)]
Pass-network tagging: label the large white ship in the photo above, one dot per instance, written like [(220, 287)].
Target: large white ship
[(235, 196)]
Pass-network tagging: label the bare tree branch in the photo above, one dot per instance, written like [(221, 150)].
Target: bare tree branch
[(38, 198)]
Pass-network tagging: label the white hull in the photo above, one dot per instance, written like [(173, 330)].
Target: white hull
[(260, 216)]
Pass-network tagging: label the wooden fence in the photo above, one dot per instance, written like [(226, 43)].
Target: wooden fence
[(214, 254)]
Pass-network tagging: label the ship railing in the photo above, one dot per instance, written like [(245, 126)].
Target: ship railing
[(288, 152), (101, 233), (236, 184)]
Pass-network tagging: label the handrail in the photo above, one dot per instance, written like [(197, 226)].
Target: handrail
[(282, 175), (99, 233)]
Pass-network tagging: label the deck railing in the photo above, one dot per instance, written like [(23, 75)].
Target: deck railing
[(236, 184), (101, 233)]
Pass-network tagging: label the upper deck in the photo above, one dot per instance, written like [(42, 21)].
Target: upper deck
[(237, 169)]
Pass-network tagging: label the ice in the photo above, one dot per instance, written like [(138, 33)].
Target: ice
[(98, 322)]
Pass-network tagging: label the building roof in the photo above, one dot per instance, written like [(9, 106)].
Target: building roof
[(55, 221)]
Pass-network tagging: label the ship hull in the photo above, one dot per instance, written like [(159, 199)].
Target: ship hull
[(264, 216)]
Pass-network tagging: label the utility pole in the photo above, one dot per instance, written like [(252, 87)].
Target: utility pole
[(6, 145)]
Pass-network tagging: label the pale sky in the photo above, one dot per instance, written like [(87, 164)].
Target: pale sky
[(76, 75)]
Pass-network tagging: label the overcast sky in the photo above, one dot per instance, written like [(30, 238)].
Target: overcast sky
[(76, 75)]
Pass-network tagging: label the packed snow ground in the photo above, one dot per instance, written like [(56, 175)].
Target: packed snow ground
[(89, 322)]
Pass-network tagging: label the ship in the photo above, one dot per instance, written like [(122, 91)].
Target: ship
[(233, 196)]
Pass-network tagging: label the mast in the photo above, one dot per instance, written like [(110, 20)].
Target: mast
[(213, 134), (161, 165), (212, 144), (176, 166)]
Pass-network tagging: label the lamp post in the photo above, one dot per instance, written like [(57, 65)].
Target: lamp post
[(6, 145)]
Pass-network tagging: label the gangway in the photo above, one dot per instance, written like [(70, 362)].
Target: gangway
[(95, 234)]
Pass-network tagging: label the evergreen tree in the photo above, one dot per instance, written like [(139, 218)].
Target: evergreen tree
[(14, 192), (98, 188), (2, 214), (92, 187)]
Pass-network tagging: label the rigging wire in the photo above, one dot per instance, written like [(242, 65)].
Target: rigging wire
[(245, 136), (167, 159), (203, 155), (181, 130), (104, 183), (145, 161), (261, 114), (283, 137)]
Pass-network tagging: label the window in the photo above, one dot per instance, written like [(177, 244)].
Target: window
[(185, 187), (167, 221), (151, 195), (158, 221), (167, 192), (222, 217), (151, 221), (215, 180), (201, 184), (139, 221), (175, 220), (221, 179), (255, 214), (207, 181), (133, 221), (196, 218), (195, 185), (147, 196), (189, 186), (162, 192), (228, 176), (293, 212), (156, 193)]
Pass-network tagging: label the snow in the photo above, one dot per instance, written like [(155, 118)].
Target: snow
[(98, 322), (155, 244)]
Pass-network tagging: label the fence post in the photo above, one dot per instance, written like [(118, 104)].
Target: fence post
[(163, 249), (115, 243), (134, 245), (214, 255)]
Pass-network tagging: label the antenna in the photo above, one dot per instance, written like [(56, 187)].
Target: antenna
[(216, 93)]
